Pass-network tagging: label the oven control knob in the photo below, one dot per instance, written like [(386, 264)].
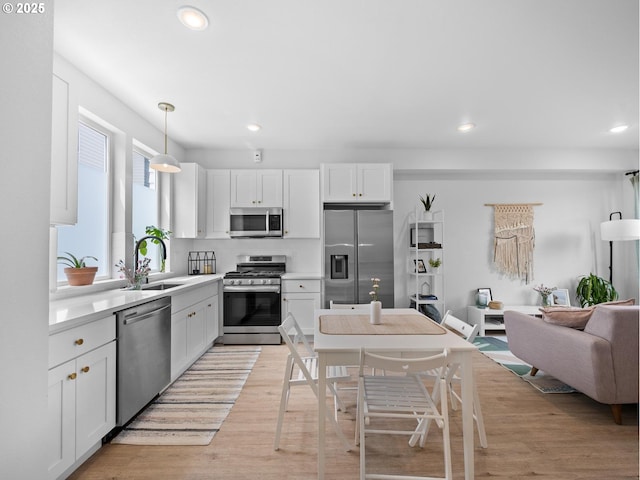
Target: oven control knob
[(267, 282), (249, 282)]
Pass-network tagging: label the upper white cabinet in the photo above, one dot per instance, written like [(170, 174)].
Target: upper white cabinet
[(189, 197), (256, 188), (357, 183), (218, 203), (301, 206), (64, 154)]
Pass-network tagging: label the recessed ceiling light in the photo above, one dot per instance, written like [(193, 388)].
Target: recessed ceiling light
[(254, 127), (619, 128), (466, 127), (193, 18)]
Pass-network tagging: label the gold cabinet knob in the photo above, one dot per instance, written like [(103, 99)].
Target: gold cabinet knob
[(85, 369), (72, 376), (354, 194), (360, 194), (79, 341)]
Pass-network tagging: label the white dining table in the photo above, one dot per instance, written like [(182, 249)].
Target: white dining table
[(344, 349)]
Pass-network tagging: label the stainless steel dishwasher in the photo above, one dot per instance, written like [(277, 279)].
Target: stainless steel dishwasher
[(144, 356)]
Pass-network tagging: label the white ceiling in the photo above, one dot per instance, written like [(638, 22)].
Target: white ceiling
[(367, 73)]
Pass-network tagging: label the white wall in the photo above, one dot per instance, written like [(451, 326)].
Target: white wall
[(25, 156), (567, 229)]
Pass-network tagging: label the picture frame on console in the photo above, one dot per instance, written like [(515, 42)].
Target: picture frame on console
[(421, 266), (560, 297), (487, 292)]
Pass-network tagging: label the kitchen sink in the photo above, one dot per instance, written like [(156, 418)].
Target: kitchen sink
[(162, 286)]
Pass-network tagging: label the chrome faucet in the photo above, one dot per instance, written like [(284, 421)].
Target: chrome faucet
[(137, 250)]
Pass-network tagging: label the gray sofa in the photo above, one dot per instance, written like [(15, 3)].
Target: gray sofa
[(601, 361)]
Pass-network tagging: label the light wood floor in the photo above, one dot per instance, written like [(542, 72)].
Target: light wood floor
[(530, 434)]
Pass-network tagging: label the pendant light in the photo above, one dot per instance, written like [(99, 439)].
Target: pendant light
[(165, 162)]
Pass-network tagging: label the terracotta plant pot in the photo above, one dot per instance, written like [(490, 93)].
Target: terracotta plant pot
[(80, 276)]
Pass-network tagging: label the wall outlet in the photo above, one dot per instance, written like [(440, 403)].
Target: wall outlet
[(257, 156)]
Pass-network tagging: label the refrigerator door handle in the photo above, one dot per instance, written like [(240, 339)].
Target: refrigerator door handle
[(339, 266)]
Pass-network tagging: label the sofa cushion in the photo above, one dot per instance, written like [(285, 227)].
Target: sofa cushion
[(630, 301), (571, 317)]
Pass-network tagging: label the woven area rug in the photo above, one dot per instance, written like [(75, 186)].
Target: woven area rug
[(192, 409), (498, 351)]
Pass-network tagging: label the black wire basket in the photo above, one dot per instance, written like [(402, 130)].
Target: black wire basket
[(201, 263)]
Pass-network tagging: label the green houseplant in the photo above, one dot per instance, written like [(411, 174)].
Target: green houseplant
[(435, 263), (592, 290), (427, 201), (76, 269), (156, 232)]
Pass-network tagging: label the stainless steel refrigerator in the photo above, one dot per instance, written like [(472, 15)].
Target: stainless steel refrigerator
[(358, 246)]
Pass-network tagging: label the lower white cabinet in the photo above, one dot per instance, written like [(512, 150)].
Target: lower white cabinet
[(81, 394), (301, 297), (194, 326)]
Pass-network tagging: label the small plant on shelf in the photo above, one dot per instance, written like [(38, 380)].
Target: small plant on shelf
[(427, 201), (435, 262)]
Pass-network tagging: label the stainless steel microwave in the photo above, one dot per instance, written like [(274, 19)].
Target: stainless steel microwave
[(255, 222)]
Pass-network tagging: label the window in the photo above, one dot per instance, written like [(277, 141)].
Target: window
[(145, 202), (90, 236)]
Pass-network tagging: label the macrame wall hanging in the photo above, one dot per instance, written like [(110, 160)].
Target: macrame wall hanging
[(514, 239)]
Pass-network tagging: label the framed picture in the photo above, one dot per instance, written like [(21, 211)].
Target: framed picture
[(424, 237), (487, 292), (421, 266), (561, 297)]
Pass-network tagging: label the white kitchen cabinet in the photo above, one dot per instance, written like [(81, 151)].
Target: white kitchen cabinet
[(301, 205), (212, 318), (357, 182), (64, 154), (82, 393), (301, 297), (189, 197), (194, 326), (218, 203), (256, 188)]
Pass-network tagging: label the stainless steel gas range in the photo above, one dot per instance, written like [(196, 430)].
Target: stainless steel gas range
[(251, 299)]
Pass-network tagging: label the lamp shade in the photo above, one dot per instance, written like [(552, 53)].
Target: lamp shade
[(620, 230), (165, 163)]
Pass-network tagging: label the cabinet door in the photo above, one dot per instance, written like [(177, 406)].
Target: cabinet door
[(211, 318), (302, 306), (218, 203), (64, 154), (61, 419), (95, 396), (374, 182), (188, 206), (301, 206), (243, 188), (196, 332), (269, 188), (178, 343), (339, 183)]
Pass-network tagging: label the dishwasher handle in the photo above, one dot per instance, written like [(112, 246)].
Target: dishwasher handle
[(134, 319)]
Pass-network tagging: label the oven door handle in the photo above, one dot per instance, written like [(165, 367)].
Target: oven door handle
[(253, 288)]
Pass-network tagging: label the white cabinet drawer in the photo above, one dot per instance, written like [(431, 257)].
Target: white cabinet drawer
[(304, 285), (71, 343), (180, 301)]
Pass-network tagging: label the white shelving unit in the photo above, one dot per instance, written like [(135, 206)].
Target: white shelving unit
[(426, 241)]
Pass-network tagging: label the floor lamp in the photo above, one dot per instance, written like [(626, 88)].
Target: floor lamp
[(617, 231)]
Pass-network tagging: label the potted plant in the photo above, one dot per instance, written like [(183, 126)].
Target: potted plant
[(76, 270), (435, 263), (156, 232), (592, 290), (427, 202)]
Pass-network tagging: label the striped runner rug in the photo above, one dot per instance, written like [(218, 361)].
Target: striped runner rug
[(192, 409)]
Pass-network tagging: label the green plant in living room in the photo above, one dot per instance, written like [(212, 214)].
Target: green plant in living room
[(156, 232), (435, 262), (76, 269), (592, 290)]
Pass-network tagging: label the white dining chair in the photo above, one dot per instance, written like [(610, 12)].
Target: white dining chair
[(303, 370), (469, 333), (397, 398)]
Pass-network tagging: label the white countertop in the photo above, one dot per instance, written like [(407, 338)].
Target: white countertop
[(70, 312)]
